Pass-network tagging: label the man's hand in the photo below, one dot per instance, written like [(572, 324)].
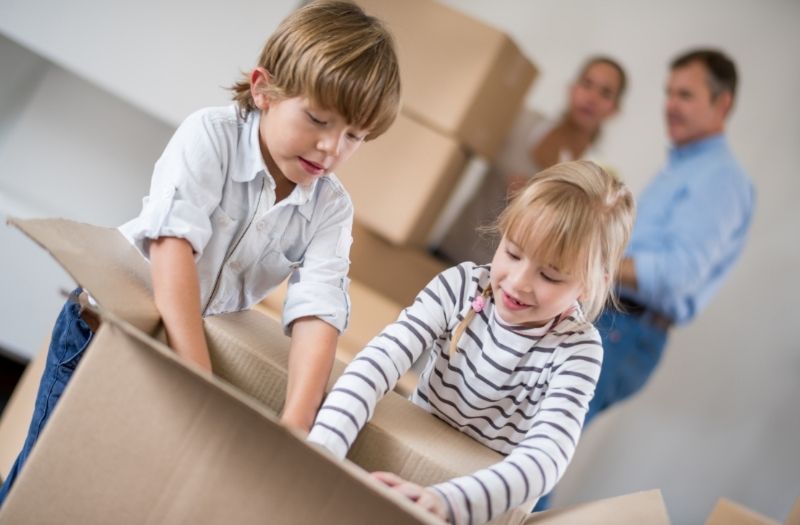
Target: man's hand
[(422, 497)]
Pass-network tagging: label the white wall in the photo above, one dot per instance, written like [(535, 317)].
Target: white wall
[(721, 417)]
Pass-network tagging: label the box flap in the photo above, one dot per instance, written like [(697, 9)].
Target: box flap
[(794, 515), (139, 437), (103, 262), (727, 512), (630, 509)]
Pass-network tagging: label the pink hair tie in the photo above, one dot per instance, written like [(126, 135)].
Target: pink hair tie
[(478, 303)]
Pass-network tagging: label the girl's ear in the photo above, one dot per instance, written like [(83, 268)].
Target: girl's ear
[(259, 82)]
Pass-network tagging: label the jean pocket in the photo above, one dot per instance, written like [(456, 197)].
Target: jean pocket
[(74, 343)]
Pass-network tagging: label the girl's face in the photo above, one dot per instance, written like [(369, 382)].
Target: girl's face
[(527, 291), (593, 97)]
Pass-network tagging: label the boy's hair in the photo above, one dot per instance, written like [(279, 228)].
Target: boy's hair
[(336, 55), (577, 217)]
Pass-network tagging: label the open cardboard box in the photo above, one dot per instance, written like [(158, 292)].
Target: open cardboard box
[(141, 436)]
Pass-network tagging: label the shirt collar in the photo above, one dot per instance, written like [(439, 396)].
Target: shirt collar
[(249, 161), (698, 146)]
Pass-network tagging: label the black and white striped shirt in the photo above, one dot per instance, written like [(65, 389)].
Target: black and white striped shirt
[(521, 392)]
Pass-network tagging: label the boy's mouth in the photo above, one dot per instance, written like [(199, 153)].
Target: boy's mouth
[(311, 167)]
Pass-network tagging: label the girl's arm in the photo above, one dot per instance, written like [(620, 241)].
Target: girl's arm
[(177, 295), (376, 369), (311, 355), (535, 465)]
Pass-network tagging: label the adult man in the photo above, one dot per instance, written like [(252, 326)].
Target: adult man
[(691, 225)]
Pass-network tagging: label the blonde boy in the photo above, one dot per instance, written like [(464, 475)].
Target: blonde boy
[(244, 196)]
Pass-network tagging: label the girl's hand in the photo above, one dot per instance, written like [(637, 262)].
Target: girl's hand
[(427, 499)]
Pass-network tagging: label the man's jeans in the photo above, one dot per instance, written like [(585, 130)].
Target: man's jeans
[(71, 335)]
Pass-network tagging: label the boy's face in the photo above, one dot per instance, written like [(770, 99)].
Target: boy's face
[(300, 140), (526, 291)]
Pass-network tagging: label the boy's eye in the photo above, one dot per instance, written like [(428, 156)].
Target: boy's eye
[(355, 138), (315, 120)]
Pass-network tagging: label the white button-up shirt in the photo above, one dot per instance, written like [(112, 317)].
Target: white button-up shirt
[(212, 188)]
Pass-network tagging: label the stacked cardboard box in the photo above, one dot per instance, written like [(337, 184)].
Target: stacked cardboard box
[(463, 84), (142, 436)]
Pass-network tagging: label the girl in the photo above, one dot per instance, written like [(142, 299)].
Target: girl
[(535, 143), (513, 358)]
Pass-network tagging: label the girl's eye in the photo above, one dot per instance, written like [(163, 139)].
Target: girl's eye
[(550, 278), (512, 255)]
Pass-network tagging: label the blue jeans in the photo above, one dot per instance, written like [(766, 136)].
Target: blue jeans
[(71, 335), (632, 348)]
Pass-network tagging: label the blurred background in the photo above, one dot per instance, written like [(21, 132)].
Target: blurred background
[(91, 91)]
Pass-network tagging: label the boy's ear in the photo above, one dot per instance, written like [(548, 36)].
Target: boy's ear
[(259, 82)]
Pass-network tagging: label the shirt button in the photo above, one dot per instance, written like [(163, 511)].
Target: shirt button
[(260, 226), (235, 266)]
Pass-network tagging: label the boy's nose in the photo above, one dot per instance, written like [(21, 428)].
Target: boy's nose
[(330, 143)]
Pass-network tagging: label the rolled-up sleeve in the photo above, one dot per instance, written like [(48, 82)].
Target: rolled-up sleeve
[(186, 187), (319, 287)]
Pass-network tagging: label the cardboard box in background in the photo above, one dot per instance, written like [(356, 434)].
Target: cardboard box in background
[(142, 436), (459, 75), (399, 273), (399, 181)]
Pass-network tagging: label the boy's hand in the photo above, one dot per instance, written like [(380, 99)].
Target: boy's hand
[(425, 498)]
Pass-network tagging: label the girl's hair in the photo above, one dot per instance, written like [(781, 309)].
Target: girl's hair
[(577, 217), (607, 60), (336, 55)]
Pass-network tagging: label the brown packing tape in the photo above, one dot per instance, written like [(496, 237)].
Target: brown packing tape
[(139, 437), (117, 276), (637, 508)]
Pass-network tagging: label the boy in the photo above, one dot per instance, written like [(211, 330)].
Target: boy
[(243, 196)]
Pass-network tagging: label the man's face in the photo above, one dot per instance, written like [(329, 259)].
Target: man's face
[(692, 112)]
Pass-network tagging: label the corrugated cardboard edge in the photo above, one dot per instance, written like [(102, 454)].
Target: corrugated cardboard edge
[(639, 507)]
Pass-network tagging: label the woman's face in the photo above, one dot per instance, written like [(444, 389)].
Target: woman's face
[(594, 96)]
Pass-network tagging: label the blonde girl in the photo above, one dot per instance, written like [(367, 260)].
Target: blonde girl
[(513, 358)]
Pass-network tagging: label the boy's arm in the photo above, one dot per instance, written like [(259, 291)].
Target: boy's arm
[(177, 294), (311, 355)]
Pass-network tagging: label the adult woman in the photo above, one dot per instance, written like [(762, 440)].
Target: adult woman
[(536, 143)]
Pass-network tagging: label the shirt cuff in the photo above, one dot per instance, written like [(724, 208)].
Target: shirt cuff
[(321, 300)]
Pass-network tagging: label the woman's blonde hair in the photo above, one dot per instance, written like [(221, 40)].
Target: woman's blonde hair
[(577, 217), (336, 55)]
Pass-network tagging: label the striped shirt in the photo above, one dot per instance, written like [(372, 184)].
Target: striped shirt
[(522, 392)]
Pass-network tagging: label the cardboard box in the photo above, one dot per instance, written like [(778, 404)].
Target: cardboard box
[(459, 75), (727, 512), (142, 436), (399, 273), (370, 313), (646, 507), (399, 181), (17, 413)]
